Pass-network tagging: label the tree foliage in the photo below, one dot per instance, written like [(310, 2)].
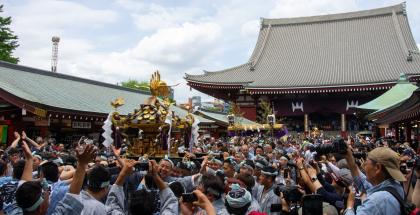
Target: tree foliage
[(141, 85), (8, 41), (138, 85)]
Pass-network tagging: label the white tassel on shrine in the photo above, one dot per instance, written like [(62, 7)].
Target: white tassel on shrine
[(168, 120), (107, 134), (194, 133)]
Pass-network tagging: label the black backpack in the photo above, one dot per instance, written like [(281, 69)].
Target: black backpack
[(405, 207)]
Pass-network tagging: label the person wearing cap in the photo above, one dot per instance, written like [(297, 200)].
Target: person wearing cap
[(97, 188), (13, 157), (238, 200), (165, 170), (382, 170), (266, 196), (215, 164), (259, 165), (247, 167), (229, 167), (37, 159)]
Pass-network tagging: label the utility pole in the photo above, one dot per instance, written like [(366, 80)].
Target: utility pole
[(55, 40)]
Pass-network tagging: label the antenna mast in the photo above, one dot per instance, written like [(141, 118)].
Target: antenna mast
[(55, 40)]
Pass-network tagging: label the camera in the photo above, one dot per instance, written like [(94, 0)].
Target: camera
[(290, 192), (414, 162), (189, 197), (338, 146), (359, 155), (142, 166)]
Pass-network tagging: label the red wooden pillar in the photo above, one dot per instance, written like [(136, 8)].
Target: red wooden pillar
[(306, 124), (343, 126), (382, 132)]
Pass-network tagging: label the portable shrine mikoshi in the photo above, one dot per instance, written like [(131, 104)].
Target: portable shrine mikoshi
[(147, 130)]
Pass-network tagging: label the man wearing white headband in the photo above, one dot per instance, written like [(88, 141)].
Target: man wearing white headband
[(97, 189), (165, 170), (265, 195)]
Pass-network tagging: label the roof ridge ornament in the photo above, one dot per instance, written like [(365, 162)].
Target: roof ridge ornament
[(403, 78), (410, 54), (404, 8)]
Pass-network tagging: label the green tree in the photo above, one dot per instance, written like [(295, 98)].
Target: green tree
[(138, 85), (8, 41)]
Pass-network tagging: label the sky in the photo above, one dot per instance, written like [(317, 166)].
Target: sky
[(117, 40)]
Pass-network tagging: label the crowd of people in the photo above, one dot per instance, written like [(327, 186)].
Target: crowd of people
[(243, 175)]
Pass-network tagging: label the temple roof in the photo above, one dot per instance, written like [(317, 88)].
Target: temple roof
[(369, 47), (55, 90), (60, 92), (222, 118), (397, 94)]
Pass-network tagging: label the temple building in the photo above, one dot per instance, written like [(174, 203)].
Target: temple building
[(315, 70), (64, 107)]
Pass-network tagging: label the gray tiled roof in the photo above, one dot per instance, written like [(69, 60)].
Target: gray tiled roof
[(221, 117), (71, 93), (67, 92), (364, 47), (182, 113)]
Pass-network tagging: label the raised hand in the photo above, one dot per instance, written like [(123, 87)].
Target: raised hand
[(27, 171), (203, 202), (153, 167), (299, 161), (23, 135), (86, 155), (26, 151), (129, 166), (117, 152), (311, 172), (127, 169), (17, 135)]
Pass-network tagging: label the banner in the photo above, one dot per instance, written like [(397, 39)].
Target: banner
[(3, 134)]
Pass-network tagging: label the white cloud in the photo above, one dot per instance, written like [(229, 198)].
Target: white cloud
[(174, 37), (251, 28), (49, 14), (184, 45), (296, 8), (157, 17), (167, 50)]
